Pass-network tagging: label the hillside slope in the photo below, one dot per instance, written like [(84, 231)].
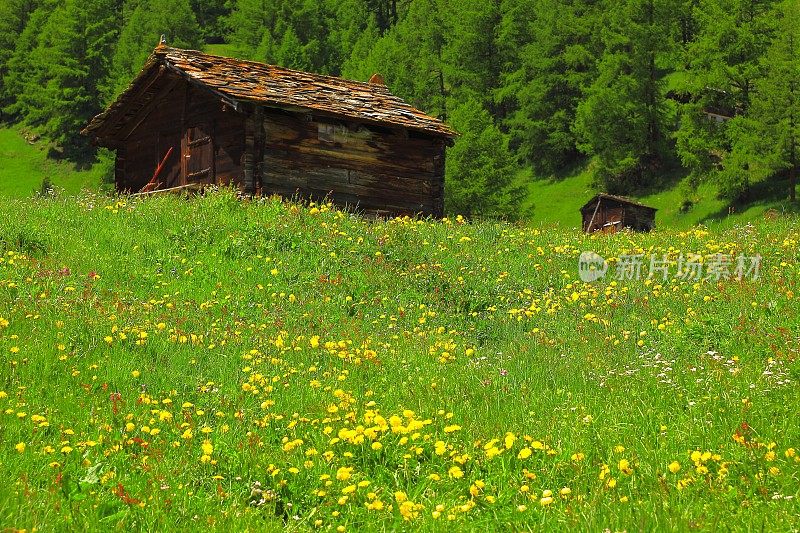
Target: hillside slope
[(557, 201), (169, 363), (23, 166)]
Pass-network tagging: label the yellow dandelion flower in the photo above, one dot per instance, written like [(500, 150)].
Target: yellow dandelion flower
[(455, 472)]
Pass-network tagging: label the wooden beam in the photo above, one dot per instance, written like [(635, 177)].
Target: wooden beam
[(145, 111), (121, 111)]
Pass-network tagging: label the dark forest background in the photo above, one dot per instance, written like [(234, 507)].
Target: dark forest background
[(638, 91)]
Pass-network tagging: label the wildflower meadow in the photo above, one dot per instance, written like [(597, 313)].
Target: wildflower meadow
[(219, 364)]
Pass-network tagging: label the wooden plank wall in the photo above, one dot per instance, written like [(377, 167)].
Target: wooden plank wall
[(373, 168), (165, 127)]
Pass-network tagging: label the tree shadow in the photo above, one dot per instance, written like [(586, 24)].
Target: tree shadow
[(81, 157), (771, 194)]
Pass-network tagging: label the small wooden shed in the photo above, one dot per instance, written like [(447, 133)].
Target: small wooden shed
[(191, 118), (609, 213)]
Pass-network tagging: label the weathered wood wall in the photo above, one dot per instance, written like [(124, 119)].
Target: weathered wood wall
[(167, 125), (369, 167), (612, 216), (270, 151)]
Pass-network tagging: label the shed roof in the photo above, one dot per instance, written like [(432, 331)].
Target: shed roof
[(620, 199), (248, 81)]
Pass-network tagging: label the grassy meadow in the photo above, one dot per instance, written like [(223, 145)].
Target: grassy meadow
[(220, 364), (23, 166)]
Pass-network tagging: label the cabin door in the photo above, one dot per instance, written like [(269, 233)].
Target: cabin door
[(198, 154)]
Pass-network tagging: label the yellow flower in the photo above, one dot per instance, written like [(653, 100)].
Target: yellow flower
[(455, 472), (20, 447), (207, 447), (451, 429), (135, 374), (625, 467), (510, 438), (524, 453), (344, 473), (674, 466)]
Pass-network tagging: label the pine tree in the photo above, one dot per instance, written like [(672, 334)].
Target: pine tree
[(210, 15), (151, 19), (622, 121), (411, 58), (724, 65), (776, 102), (69, 64), (480, 170), (248, 25), (19, 69), (14, 16), (548, 82)]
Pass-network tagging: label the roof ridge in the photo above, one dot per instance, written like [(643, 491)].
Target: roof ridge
[(164, 50), (238, 80)]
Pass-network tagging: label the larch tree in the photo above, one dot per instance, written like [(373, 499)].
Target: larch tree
[(622, 122), (552, 72), (775, 108), (481, 173), (69, 64), (152, 18)]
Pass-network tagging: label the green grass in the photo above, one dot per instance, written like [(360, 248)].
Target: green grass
[(557, 201), (23, 166), (172, 363)]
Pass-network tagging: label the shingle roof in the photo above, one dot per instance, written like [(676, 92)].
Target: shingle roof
[(269, 85), (621, 199)]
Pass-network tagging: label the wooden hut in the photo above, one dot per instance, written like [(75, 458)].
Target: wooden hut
[(609, 213), (191, 119)]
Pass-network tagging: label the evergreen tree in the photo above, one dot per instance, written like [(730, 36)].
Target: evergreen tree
[(622, 121), (724, 64), (471, 52), (210, 15), (776, 102), (14, 16), (19, 69), (69, 64), (151, 19), (480, 170), (248, 24), (553, 70), (411, 58)]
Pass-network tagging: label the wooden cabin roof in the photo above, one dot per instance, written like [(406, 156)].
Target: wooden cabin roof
[(236, 81), (615, 198)]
